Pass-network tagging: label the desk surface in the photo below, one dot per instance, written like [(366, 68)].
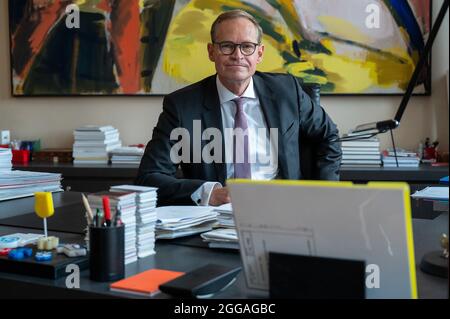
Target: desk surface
[(21, 206), (187, 254), (68, 216), (422, 174), (179, 257), (172, 257)]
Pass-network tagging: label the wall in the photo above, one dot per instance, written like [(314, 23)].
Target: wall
[(53, 119)]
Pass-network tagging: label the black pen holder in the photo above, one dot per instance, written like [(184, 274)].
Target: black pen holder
[(107, 253)]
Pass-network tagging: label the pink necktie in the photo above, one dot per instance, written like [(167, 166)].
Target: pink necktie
[(241, 152)]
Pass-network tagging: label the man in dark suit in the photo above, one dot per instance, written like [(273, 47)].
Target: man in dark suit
[(237, 98)]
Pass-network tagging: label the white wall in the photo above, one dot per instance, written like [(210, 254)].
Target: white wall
[(53, 119)]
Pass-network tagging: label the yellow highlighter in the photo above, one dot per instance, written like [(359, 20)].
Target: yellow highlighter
[(43, 206)]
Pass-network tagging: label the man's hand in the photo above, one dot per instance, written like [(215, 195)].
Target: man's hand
[(219, 196)]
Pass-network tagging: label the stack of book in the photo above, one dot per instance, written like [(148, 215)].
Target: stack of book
[(221, 238), (16, 184), (405, 158), (127, 155), (5, 159), (180, 221), (123, 207), (361, 153), (146, 198), (92, 144)]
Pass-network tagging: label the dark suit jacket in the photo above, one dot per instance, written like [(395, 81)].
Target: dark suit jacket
[(285, 106)]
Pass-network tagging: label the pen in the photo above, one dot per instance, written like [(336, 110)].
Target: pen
[(117, 220), (107, 210), (97, 219), (88, 208)]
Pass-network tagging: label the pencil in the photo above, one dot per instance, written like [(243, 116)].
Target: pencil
[(88, 207)]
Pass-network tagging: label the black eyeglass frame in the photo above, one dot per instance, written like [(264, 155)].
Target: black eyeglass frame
[(236, 45)]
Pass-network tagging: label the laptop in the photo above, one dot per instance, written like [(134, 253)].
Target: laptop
[(339, 220)]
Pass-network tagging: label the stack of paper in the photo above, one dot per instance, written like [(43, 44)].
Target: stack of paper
[(361, 153), (179, 221), (432, 193), (221, 238), (225, 216), (146, 198), (127, 155), (5, 159), (404, 158), (92, 144), (436, 194), (123, 207), (15, 184)]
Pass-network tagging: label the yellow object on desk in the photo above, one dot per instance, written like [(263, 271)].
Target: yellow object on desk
[(43, 206), (47, 243)]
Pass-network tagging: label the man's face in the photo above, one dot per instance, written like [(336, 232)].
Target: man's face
[(236, 67)]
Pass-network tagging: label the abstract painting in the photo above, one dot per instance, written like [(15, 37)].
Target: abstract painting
[(153, 47)]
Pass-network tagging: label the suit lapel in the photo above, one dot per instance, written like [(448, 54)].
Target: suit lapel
[(273, 117), (212, 117)]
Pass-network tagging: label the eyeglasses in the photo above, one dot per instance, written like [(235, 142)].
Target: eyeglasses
[(228, 47)]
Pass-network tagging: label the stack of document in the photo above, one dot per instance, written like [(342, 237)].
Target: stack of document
[(16, 184), (127, 155), (405, 158), (432, 193), (221, 238), (179, 221), (361, 153), (5, 159), (123, 207), (146, 198), (225, 216), (436, 194), (225, 236), (92, 144)]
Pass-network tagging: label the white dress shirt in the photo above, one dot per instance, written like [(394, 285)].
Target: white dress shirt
[(263, 157)]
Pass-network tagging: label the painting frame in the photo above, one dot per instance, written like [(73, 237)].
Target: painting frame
[(427, 92)]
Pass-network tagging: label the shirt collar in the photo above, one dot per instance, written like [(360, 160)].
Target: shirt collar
[(226, 95)]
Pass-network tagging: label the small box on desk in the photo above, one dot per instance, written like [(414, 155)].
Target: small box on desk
[(52, 269), (20, 156)]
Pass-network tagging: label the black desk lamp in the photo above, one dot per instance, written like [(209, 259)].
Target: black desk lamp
[(436, 262), (369, 130)]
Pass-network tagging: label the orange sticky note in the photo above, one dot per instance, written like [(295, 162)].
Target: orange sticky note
[(145, 283)]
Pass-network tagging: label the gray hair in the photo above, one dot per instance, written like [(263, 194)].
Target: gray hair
[(234, 14)]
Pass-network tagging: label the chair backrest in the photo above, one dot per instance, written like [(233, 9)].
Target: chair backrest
[(307, 147)]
